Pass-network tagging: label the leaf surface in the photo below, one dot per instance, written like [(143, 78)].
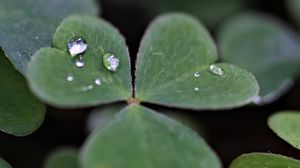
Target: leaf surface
[(139, 137), (20, 112), (287, 126), (173, 68), (264, 160), (54, 77)]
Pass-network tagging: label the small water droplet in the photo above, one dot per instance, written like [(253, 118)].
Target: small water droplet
[(79, 62), (216, 70), (98, 82), (77, 45), (36, 37), (111, 62), (87, 88), (70, 78), (197, 74), (196, 89)]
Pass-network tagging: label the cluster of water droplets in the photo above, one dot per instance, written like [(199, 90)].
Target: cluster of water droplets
[(214, 69), (78, 45)]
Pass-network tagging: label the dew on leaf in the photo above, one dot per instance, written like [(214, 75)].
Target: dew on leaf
[(87, 88), (98, 82), (197, 74), (79, 62), (196, 89), (70, 78), (77, 46), (111, 62), (214, 69)]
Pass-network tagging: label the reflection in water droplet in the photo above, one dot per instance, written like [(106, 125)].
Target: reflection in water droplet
[(77, 45), (87, 88), (196, 89), (70, 78), (214, 69), (111, 62), (79, 62), (197, 74), (98, 82)]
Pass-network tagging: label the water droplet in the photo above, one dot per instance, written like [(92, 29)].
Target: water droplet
[(111, 62), (36, 37), (77, 45), (70, 78), (196, 89), (197, 74), (216, 70), (79, 62), (98, 82), (87, 88)]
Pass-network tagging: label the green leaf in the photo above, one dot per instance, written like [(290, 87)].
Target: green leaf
[(139, 137), (101, 116), (4, 164), (265, 47), (26, 26), (177, 47), (211, 12), (264, 160), (20, 112), (63, 158), (294, 9), (287, 126), (50, 67)]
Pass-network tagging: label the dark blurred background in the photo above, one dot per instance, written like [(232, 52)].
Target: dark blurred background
[(230, 133)]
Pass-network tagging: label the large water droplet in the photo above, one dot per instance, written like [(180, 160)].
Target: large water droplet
[(111, 62), (98, 82), (70, 78), (79, 62), (197, 74), (77, 46), (214, 69)]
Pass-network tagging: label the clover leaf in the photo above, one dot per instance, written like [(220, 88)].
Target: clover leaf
[(264, 160), (20, 112), (92, 84), (286, 125), (63, 158), (133, 139), (4, 164), (176, 66)]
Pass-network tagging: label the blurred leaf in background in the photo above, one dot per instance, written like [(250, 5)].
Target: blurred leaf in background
[(264, 160), (63, 158), (20, 112), (266, 47)]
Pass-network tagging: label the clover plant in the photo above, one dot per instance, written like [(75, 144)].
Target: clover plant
[(60, 54)]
